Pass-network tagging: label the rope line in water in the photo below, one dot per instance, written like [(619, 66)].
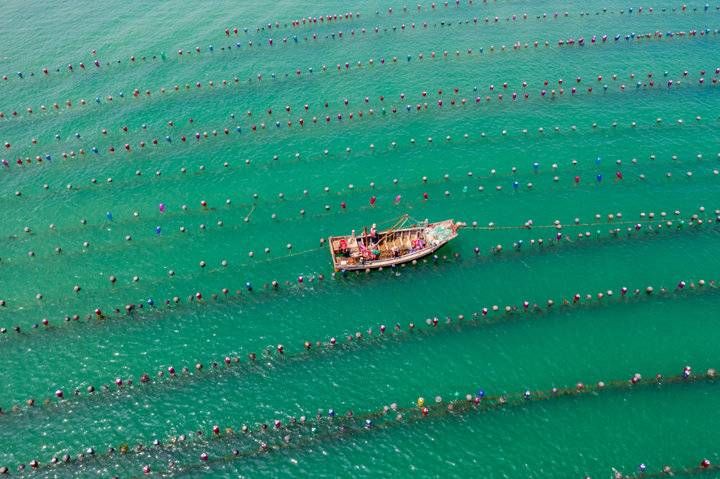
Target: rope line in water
[(312, 20), (647, 223), (339, 200), (359, 66), (282, 198), (613, 219), (488, 20), (507, 89), (121, 387), (302, 432), (268, 43), (172, 307), (704, 466), (391, 416), (22, 162)]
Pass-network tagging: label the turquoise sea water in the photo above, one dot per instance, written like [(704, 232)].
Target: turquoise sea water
[(73, 220)]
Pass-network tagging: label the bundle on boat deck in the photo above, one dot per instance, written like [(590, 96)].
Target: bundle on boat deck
[(397, 245)]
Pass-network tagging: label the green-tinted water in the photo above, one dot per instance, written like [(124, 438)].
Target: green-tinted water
[(82, 228)]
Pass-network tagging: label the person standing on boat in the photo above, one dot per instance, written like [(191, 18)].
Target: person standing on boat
[(374, 237), (344, 249)]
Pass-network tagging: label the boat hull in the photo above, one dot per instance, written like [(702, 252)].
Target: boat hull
[(435, 241)]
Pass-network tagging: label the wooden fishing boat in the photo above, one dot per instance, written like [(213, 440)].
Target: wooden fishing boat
[(400, 244)]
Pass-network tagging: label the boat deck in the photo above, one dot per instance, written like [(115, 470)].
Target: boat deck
[(393, 246)]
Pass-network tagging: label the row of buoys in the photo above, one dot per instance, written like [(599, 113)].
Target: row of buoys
[(199, 138), (329, 424), (703, 466), (342, 118), (392, 199), (423, 27), (649, 223), (211, 49), (211, 84), (619, 228), (331, 19), (485, 313), (140, 58), (346, 199), (138, 92), (22, 163), (313, 21), (277, 434), (450, 97), (498, 176), (326, 19), (487, 20), (310, 21), (227, 168)]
